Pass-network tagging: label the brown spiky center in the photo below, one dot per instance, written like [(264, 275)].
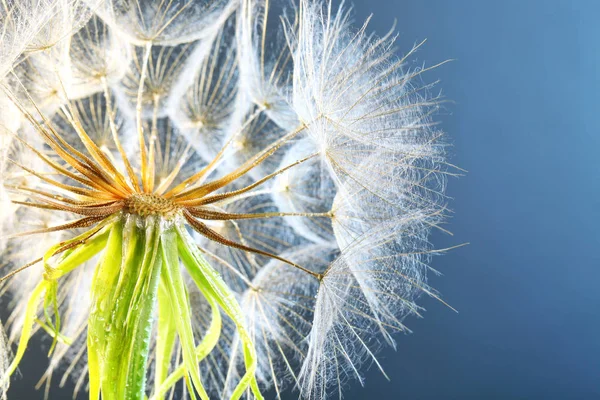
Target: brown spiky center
[(97, 189), (146, 204)]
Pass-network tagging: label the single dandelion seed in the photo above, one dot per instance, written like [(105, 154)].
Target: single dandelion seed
[(210, 198)]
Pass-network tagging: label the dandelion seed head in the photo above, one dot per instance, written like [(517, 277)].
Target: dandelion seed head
[(239, 193)]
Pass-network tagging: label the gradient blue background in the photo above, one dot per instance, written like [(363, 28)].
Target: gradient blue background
[(524, 123)]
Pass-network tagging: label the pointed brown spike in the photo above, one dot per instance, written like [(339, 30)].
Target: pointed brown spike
[(87, 168), (97, 154), (56, 166), (198, 175), (201, 174), (152, 145), (224, 216), (23, 190), (73, 189), (160, 190), (222, 196), (80, 223), (111, 120), (37, 205), (64, 247), (205, 231), (253, 162), (138, 116), (74, 119), (95, 211), (53, 140), (23, 268), (83, 164)]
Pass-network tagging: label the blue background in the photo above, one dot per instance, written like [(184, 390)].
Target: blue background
[(524, 123)]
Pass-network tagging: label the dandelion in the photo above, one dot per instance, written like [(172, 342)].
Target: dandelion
[(210, 198)]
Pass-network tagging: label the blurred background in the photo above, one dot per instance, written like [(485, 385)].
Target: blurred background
[(524, 121)]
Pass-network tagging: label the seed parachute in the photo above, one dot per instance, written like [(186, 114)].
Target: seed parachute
[(213, 199)]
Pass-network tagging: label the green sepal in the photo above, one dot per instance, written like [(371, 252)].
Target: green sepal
[(212, 285), (86, 246), (180, 307), (165, 338), (208, 343), (83, 251), (124, 295)]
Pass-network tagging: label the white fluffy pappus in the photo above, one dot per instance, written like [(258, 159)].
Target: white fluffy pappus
[(305, 150)]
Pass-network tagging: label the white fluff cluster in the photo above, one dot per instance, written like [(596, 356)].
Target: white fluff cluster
[(351, 193)]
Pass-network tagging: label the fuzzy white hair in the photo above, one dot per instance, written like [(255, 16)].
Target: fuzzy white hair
[(341, 161)]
